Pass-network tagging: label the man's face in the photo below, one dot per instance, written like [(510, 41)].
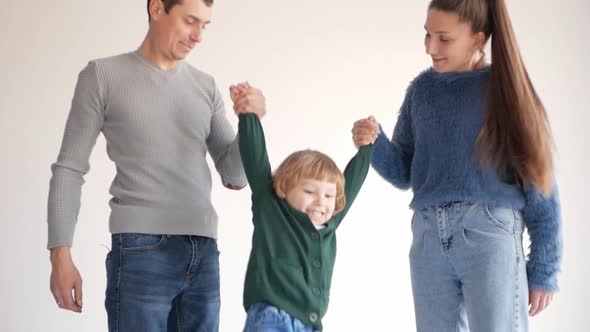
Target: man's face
[(178, 31)]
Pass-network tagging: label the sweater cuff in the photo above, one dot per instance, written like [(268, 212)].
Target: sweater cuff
[(239, 181), (60, 234), (381, 145), (542, 278)]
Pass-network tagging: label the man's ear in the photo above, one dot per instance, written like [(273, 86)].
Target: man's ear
[(156, 9)]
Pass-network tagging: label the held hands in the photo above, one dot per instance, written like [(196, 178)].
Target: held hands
[(365, 131), (65, 278), (539, 301), (247, 99)]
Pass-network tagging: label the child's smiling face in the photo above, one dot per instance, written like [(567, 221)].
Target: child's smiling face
[(316, 198)]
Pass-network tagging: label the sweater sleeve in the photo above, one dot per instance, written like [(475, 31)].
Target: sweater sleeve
[(355, 174), (393, 159), (223, 145), (253, 152), (83, 126), (542, 218)]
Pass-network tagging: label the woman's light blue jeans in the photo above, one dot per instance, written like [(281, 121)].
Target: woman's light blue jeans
[(468, 269)]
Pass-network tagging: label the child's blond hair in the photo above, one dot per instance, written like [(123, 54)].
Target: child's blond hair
[(309, 164)]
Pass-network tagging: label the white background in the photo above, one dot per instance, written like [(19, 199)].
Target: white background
[(322, 65)]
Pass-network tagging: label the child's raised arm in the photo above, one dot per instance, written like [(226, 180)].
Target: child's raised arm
[(249, 105), (354, 176), (253, 152)]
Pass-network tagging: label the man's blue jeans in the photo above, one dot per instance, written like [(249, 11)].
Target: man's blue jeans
[(162, 283)]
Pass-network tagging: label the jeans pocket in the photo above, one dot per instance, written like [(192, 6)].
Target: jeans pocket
[(420, 219), (501, 217), (270, 317), (142, 242)]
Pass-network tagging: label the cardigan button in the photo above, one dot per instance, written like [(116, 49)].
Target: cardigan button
[(315, 236), (317, 263), (313, 317), (316, 291)]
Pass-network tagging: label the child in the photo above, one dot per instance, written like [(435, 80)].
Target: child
[(472, 142), (295, 214)]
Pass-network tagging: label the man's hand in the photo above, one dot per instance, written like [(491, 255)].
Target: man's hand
[(65, 278), (247, 99), (365, 131)]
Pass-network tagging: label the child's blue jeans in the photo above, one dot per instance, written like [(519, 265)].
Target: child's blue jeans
[(263, 317)]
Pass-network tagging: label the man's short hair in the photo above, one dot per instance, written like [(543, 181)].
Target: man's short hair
[(168, 4)]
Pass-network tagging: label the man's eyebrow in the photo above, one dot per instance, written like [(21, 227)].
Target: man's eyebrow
[(198, 19)]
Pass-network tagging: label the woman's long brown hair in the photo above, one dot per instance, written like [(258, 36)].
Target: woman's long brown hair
[(515, 134)]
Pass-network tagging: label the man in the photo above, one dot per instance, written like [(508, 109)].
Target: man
[(159, 116)]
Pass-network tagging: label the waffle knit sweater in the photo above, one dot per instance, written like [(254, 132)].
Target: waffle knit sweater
[(158, 126)]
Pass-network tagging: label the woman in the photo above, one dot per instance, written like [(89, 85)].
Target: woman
[(473, 143)]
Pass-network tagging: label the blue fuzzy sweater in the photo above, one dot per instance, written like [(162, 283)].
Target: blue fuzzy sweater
[(431, 152)]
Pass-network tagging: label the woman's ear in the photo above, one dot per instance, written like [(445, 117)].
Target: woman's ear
[(478, 41)]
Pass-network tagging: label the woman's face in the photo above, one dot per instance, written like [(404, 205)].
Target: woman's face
[(451, 44)]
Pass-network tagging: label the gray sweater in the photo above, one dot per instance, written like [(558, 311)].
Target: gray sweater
[(158, 127)]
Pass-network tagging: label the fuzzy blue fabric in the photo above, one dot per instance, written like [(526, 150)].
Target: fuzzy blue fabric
[(432, 152)]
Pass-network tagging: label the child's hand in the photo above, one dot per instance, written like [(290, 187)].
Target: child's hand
[(247, 99), (538, 301), (237, 91), (365, 131)]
